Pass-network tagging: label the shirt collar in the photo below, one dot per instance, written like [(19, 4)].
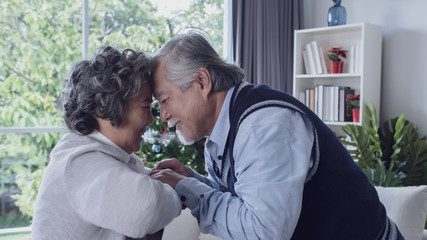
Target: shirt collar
[(216, 141), (117, 151)]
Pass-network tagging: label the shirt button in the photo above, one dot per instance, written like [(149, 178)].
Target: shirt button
[(183, 198), (132, 161)]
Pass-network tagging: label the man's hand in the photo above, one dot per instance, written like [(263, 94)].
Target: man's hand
[(167, 176), (175, 165)]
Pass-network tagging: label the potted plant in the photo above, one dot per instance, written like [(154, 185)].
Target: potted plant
[(336, 62), (391, 155), (354, 102)]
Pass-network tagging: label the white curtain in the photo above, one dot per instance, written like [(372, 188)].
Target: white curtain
[(263, 38)]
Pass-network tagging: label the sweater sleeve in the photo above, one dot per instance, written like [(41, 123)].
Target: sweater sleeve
[(106, 193)]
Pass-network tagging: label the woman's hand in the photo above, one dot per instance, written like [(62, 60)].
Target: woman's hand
[(167, 176), (175, 165)]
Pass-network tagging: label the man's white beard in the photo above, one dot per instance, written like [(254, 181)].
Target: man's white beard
[(183, 140)]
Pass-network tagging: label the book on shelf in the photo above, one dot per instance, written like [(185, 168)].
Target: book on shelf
[(341, 100), (314, 59), (310, 59), (316, 93), (301, 96), (331, 102), (322, 60), (342, 103), (328, 102), (357, 59), (311, 103), (307, 97), (351, 59), (335, 103), (306, 66), (348, 92), (315, 50), (319, 101)]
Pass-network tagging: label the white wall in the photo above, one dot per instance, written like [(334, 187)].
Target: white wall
[(404, 53)]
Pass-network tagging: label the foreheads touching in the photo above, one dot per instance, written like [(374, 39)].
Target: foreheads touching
[(101, 86)]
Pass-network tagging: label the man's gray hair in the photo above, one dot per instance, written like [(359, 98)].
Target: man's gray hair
[(185, 54)]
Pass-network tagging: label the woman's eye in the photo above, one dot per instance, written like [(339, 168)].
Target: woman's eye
[(146, 107), (163, 102)]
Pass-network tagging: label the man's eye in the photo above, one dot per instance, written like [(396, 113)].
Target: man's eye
[(163, 102)]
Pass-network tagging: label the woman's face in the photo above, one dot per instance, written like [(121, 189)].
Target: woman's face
[(136, 117)]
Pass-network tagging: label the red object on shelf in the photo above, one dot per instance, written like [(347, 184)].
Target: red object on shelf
[(356, 115), (336, 67)]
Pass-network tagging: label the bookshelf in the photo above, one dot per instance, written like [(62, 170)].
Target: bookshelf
[(364, 75)]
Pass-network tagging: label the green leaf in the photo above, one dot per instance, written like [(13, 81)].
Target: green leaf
[(334, 57), (380, 176), (363, 152)]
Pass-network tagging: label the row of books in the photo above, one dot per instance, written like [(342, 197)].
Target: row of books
[(328, 102), (316, 59)]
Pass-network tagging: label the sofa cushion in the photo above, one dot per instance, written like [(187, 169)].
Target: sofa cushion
[(407, 207), (183, 227)]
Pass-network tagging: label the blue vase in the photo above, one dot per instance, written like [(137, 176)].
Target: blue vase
[(337, 14)]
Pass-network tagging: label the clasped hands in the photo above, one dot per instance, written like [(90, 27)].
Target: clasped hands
[(170, 171)]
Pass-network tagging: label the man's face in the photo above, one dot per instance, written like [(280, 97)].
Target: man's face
[(185, 109)]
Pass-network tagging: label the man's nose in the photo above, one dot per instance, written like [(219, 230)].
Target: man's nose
[(164, 114)]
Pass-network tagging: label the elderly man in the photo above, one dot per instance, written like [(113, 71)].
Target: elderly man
[(275, 170)]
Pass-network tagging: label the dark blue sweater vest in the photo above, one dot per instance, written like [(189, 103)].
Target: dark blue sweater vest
[(338, 200)]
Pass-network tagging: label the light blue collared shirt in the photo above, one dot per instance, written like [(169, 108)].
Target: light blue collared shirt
[(272, 155)]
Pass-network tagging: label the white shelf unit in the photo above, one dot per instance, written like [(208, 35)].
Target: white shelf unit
[(367, 81)]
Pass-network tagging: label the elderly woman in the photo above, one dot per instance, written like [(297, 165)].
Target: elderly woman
[(94, 186)]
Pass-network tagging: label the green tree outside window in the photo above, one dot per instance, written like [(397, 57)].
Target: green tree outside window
[(40, 40)]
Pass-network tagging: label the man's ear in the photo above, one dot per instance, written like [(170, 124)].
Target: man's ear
[(204, 81)]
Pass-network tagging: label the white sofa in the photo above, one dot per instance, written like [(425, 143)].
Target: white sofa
[(185, 227), (406, 206)]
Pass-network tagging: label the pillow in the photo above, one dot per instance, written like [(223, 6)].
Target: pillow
[(183, 227), (407, 207), (208, 237)]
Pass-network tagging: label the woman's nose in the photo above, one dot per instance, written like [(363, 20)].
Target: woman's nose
[(150, 119)]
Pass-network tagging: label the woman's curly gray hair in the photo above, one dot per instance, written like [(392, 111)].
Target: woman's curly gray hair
[(101, 87)]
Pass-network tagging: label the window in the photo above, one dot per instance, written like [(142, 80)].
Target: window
[(40, 40)]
